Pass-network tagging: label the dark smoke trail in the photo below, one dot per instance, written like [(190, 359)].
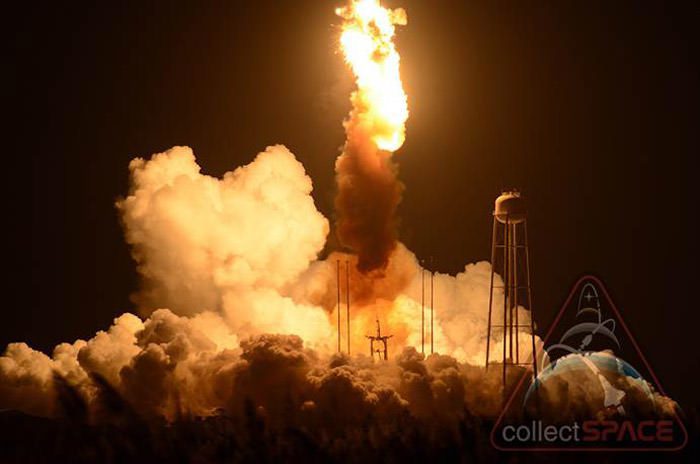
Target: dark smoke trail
[(368, 189), (369, 193)]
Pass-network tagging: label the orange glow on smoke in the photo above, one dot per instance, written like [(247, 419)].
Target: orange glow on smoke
[(367, 43)]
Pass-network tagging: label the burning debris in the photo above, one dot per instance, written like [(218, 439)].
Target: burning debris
[(368, 188)]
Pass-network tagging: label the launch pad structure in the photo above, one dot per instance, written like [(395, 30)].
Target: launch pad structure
[(379, 338), (510, 259)]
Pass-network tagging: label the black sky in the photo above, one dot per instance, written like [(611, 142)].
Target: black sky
[(590, 108)]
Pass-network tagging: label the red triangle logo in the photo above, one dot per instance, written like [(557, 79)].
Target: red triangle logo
[(595, 390)]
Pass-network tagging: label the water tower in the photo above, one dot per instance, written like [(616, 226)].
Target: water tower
[(510, 259)]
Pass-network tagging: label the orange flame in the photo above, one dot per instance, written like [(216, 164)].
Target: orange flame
[(367, 43)]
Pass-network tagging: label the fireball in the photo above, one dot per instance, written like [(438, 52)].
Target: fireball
[(367, 44)]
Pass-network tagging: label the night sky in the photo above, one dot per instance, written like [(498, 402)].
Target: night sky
[(589, 108)]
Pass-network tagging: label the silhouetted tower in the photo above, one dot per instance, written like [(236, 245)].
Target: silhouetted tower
[(379, 338), (511, 260), (422, 308), (347, 300), (432, 306), (337, 273)]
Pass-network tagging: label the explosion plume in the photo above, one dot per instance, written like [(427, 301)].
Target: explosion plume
[(368, 189), (236, 312)]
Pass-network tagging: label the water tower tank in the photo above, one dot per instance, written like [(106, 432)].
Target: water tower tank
[(510, 207)]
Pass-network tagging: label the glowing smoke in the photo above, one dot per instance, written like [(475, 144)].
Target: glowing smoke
[(368, 189), (203, 247), (226, 245), (236, 309), (232, 258)]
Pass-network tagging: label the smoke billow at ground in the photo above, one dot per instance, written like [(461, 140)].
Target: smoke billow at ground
[(233, 353), (230, 351)]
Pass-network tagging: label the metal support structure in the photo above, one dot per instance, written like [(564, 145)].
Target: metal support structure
[(509, 234), (493, 264), (505, 296), (432, 310), (383, 353), (337, 275), (347, 299), (422, 309), (514, 251), (529, 301)]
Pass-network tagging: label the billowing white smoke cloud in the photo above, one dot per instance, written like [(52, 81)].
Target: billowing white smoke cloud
[(460, 312), (244, 247), (234, 303), (25, 380), (226, 245)]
